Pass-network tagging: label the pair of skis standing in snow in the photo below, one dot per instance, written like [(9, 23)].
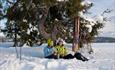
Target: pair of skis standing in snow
[(60, 51)]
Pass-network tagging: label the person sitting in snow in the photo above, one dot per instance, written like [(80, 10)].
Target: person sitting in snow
[(62, 52), (49, 50)]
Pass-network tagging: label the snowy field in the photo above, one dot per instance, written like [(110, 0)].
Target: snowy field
[(103, 58)]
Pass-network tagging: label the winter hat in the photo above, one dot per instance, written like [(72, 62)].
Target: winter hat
[(61, 40), (50, 42)]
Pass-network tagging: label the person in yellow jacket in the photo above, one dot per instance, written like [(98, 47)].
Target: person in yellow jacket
[(61, 51)]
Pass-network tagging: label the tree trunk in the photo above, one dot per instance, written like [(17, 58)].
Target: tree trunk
[(54, 32), (15, 42), (41, 26), (75, 45)]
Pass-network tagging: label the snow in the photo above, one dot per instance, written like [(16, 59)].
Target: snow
[(35, 28), (89, 27), (91, 21), (62, 0), (11, 0), (30, 25), (99, 18), (28, 31), (86, 3), (24, 20), (80, 13), (2, 34), (103, 58), (2, 23)]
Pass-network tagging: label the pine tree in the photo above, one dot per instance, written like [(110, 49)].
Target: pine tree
[(24, 20), (34, 21), (1, 11)]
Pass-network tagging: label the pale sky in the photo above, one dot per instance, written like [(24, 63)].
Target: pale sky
[(99, 7)]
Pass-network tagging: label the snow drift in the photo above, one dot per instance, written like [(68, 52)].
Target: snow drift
[(103, 58)]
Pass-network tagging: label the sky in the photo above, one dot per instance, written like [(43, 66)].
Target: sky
[(99, 7), (2, 23)]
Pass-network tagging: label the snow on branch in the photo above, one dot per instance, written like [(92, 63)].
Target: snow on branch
[(86, 3)]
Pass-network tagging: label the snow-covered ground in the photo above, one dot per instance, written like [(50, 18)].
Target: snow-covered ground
[(103, 58)]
